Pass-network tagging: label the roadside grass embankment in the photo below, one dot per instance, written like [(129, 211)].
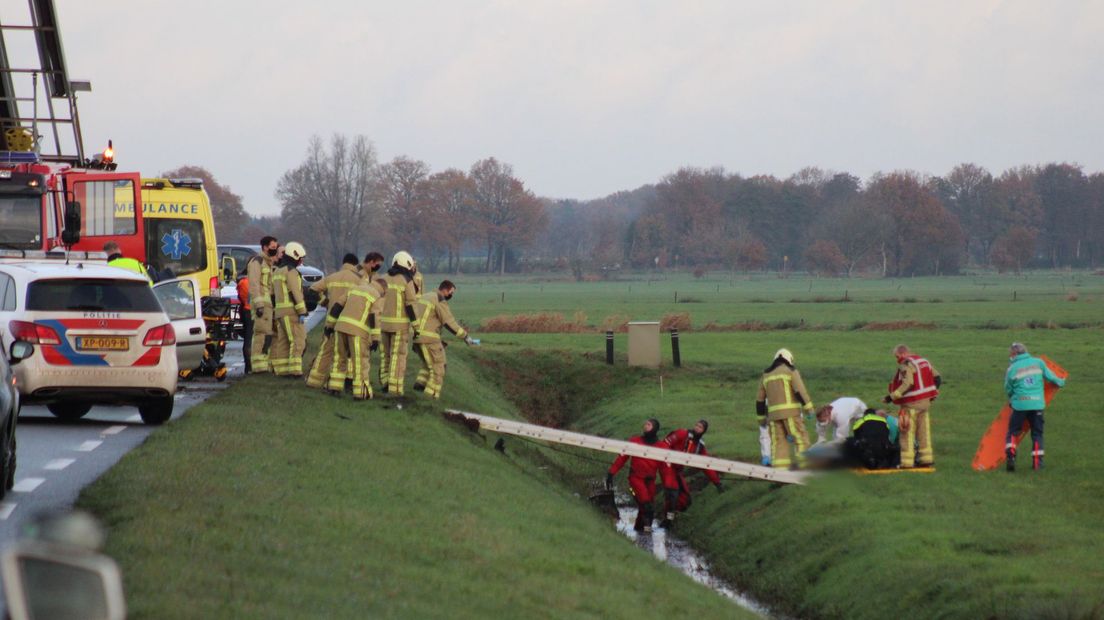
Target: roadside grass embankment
[(274, 501), (953, 544)]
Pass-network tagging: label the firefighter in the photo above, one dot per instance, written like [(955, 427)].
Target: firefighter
[(371, 264), (1024, 384), (687, 440), (290, 314), (356, 333), (115, 258), (259, 273), (433, 313), (398, 315), (333, 288), (642, 476), (913, 388), (779, 404)]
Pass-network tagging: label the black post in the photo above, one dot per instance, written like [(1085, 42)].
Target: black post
[(675, 348), (609, 348)]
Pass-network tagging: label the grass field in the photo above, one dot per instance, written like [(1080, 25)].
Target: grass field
[(244, 508)]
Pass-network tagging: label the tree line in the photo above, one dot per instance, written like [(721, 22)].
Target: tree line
[(341, 198)]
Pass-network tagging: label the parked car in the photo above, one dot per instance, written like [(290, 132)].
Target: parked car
[(101, 336), (241, 255), (9, 412)]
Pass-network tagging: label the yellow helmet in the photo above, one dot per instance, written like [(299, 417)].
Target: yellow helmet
[(295, 250), (786, 355), (404, 260)]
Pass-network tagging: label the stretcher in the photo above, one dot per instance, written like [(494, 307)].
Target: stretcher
[(862, 471), (990, 452)]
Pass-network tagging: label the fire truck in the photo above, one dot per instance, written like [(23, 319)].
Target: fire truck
[(52, 196)]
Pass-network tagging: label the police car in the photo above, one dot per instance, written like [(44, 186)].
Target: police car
[(101, 335)]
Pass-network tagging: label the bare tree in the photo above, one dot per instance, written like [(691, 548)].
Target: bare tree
[(401, 195), (329, 201), (508, 215)]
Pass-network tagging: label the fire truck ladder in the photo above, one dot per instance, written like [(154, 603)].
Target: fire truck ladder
[(56, 84), (615, 446)]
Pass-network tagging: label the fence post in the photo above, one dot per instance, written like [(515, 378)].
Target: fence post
[(676, 357), (609, 347)]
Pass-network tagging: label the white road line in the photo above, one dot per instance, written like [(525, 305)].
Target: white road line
[(27, 485), (134, 418), (89, 445), (59, 464), (113, 430), (6, 510)]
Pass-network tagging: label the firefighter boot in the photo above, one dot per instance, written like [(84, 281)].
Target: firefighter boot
[(1010, 460)]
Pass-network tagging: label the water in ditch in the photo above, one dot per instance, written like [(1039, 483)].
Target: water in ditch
[(679, 554)]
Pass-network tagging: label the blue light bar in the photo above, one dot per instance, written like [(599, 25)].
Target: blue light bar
[(18, 157)]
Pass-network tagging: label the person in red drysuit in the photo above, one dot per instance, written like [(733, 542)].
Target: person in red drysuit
[(687, 440), (642, 475)]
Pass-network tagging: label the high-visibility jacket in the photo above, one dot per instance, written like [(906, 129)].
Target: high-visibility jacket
[(680, 440), (360, 304), (784, 392), (432, 312), (243, 293), (1024, 382), (288, 286), (641, 467), (914, 381), (336, 286), (400, 294), (129, 264), (259, 271)]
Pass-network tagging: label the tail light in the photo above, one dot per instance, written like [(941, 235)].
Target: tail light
[(33, 333), (213, 286), (160, 336)]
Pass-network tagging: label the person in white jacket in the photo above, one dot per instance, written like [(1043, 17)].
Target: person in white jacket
[(840, 413)]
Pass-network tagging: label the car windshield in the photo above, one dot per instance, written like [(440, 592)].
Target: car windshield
[(92, 296), (20, 222)]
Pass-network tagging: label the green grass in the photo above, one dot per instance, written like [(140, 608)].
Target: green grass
[(300, 505), (957, 543)]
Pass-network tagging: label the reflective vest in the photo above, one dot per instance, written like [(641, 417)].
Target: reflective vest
[(923, 381), (129, 264)]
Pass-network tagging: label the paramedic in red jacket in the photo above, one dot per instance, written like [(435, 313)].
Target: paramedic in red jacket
[(687, 440), (642, 475)]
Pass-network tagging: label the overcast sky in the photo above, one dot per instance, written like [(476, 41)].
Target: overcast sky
[(585, 98)]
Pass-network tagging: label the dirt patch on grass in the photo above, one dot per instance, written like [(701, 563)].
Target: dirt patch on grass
[(540, 323), (876, 326)]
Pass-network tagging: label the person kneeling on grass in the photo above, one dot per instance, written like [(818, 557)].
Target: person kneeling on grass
[(642, 476), (871, 444)]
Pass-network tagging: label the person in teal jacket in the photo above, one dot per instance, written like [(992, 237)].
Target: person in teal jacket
[(1024, 385)]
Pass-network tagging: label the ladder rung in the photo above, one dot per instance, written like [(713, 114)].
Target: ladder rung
[(22, 27), (16, 98), (39, 120), (9, 70)]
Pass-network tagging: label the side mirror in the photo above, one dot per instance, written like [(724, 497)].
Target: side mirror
[(20, 350), (229, 268), (70, 234)]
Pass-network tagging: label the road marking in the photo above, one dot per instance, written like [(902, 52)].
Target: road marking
[(59, 464), (114, 430), (134, 418), (6, 510), (27, 485), (89, 445)]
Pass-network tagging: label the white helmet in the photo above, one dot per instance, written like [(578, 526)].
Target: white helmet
[(295, 250), (784, 354), (404, 260)]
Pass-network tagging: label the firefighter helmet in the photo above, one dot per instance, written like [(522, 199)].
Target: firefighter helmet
[(295, 250), (403, 259), (786, 355)]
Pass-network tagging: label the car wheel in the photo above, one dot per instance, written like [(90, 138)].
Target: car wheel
[(157, 411), (69, 411)]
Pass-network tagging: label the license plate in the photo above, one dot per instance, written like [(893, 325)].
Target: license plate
[(103, 343)]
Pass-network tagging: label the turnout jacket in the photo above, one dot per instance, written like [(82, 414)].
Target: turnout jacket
[(680, 440), (335, 288), (784, 393), (400, 295), (1024, 382), (259, 271), (433, 313), (288, 287), (360, 313)]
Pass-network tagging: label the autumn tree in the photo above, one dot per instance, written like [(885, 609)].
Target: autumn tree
[(400, 195), (507, 215), (825, 258), (922, 237), (448, 218), (1014, 249), (227, 211), (329, 200)]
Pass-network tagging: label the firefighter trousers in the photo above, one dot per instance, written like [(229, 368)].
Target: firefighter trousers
[(288, 346), (432, 375), (396, 346), (781, 447), (323, 362), (916, 442), (351, 352), (261, 341)]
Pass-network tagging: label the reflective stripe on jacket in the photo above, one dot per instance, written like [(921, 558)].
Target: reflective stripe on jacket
[(784, 392), (914, 381), (1024, 382)]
